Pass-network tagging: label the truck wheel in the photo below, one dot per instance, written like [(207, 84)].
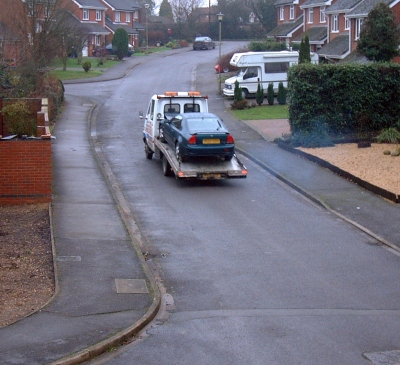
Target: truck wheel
[(148, 152), (166, 167), (244, 93)]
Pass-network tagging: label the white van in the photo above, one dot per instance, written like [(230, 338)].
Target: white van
[(263, 67)]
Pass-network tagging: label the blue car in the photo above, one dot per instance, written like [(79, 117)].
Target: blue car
[(197, 135)]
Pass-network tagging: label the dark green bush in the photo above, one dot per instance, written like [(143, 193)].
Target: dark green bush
[(270, 94), (86, 66), (259, 94), (269, 45), (282, 94), (237, 93), (351, 98)]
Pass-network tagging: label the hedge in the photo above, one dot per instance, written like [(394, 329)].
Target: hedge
[(348, 98)]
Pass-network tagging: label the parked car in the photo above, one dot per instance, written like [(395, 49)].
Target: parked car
[(203, 43), (108, 50), (197, 135)]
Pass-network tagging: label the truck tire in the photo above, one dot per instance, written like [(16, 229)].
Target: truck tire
[(166, 167), (245, 93), (148, 152)]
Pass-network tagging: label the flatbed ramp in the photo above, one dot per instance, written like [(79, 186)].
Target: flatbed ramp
[(201, 168)]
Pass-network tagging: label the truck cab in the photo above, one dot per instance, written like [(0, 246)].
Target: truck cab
[(166, 106)]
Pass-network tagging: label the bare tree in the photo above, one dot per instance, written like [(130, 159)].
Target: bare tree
[(183, 12)]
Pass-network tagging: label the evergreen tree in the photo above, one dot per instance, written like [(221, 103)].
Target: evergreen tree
[(166, 9), (237, 94), (304, 52), (282, 92), (120, 43), (270, 94), (379, 37), (259, 94)]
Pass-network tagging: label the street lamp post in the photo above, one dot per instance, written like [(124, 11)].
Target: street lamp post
[(147, 29), (220, 16)]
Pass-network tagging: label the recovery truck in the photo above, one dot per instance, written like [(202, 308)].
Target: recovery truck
[(165, 106)]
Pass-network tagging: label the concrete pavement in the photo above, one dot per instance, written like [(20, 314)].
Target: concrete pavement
[(101, 302)]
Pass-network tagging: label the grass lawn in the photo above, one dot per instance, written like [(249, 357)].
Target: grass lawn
[(263, 112)]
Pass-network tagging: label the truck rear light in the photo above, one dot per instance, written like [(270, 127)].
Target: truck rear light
[(192, 140), (230, 139)]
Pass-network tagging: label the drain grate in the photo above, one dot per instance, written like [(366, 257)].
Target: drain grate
[(131, 286)]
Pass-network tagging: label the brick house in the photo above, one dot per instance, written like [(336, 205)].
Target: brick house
[(315, 23), (123, 14), (290, 20), (91, 14), (333, 26)]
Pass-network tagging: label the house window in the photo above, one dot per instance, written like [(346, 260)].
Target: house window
[(311, 15), (128, 17), (335, 23), (47, 11), (347, 23), (97, 40), (359, 23), (98, 14), (117, 16), (281, 13), (291, 11), (322, 17), (85, 14)]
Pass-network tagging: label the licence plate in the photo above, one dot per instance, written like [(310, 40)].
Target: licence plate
[(211, 176), (211, 141)]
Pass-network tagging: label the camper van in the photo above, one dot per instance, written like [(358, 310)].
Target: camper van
[(263, 67)]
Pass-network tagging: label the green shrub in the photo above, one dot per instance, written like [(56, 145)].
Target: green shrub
[(237, 94), (269, 45), (86, 66), (282, 93), (270, 94), (18, 119), (259, 94), (388, 135), (353, 98)]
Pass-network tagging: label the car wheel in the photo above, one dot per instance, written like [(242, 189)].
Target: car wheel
[(178, 153), (225, 69), (166, 167), (244, 93), (148, 152)]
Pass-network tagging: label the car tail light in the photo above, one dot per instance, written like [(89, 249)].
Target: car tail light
[(230, 139), (192, 140)]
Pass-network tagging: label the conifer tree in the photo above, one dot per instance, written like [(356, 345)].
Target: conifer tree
[(259, 94), (379, 37)]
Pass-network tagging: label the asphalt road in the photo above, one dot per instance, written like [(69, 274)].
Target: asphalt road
[(254, 273)]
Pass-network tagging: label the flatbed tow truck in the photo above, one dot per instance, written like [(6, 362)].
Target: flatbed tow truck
[(167, 105)]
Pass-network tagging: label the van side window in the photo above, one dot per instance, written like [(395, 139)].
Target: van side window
[(191, 108), (276, 67)]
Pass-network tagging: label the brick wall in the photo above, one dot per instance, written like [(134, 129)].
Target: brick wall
[(25, 171)]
